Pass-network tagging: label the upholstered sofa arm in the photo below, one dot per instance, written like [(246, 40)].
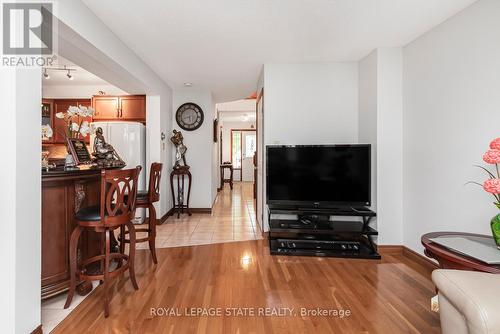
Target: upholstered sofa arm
[(469, 302)]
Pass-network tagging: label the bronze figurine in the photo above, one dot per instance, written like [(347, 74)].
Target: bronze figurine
[(180, 150), (104, 154)]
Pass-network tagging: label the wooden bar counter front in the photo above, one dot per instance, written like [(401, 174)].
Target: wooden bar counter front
[(63, 194)]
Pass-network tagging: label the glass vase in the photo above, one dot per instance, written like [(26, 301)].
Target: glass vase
[(495, 229)]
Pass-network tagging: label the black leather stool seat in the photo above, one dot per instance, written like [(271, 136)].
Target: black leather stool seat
[(90, 213), (141, 196)]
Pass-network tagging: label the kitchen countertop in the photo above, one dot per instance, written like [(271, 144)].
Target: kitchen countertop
[(81, 172)]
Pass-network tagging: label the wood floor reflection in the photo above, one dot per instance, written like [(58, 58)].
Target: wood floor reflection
[(387, 296)]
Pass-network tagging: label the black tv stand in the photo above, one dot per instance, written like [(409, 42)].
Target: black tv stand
[(314, 233)]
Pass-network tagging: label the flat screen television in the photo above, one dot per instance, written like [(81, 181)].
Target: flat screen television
[(319, 175)]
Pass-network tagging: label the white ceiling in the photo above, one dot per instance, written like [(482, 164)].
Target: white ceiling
[(80, 75), (237, 116), (221, 45), (245, 105)]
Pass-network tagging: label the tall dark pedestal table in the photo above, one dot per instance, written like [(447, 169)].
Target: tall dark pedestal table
[(178, 193)]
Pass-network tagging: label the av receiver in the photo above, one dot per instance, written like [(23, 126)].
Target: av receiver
[(349, 246)]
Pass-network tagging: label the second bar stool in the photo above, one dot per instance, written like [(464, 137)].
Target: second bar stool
[(116, 209), (146, 199)]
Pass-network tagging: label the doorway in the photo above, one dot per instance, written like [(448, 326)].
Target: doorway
[(243, 147)]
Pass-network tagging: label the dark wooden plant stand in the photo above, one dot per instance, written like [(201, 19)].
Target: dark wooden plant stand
[(180, 174)]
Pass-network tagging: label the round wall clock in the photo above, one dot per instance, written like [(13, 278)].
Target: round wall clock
[(189, 116)]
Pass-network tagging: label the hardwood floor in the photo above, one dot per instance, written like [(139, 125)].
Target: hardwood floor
[(387, 296)]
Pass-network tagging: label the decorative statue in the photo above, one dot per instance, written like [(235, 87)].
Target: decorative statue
[(180, 150), (104, 153)]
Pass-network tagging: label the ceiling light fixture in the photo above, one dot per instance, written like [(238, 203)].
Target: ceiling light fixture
[(188, 84), (64, 68), (70, 77)]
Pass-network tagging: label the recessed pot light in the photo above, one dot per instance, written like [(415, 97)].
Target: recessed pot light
[(188, 84)]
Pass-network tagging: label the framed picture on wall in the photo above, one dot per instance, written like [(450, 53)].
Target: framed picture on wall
[(216, 125)]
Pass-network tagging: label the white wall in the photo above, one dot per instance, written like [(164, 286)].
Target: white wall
[(451, 112), (380, 124), (21, 201), (314, 103), (78, 91), (200, 145), (389, 146), (368, 82)]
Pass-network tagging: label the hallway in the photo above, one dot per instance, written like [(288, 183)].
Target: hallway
[(232, 219)]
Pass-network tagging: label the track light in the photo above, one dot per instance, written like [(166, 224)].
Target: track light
[(64, 68)]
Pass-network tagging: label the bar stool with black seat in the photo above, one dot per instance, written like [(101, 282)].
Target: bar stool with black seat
[(146, 199), (116, 209)]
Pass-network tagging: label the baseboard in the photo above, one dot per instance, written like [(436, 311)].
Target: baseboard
[(390, 249), (165, 216), (37, 330), (172, 212), (420, 259)]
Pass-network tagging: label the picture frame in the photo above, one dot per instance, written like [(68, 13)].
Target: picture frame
[(79, 151)]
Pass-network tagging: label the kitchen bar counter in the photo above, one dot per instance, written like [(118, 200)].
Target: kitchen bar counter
[(61, 172), (64, 192)]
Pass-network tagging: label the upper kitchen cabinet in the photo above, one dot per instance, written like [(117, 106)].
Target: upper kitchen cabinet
[(133, 107), (119, 108), (106, 107)]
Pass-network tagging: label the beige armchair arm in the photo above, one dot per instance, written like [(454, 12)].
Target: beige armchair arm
[(469, 302)]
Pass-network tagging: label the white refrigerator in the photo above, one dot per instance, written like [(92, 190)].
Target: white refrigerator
[(129, 141)]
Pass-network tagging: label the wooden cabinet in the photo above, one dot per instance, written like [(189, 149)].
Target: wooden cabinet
[(59, 125), (62, 196), (119, 108), (133, 107), (106, 107)]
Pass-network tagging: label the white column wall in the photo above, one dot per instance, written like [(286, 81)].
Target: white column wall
[(21, 199)]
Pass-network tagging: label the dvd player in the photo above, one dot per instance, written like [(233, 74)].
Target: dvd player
[(316, 244)]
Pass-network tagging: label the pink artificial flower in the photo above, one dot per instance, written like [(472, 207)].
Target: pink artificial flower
[(492, 186), (495, 144), (492, 157)]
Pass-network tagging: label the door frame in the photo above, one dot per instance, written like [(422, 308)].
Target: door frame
[(260, 158)]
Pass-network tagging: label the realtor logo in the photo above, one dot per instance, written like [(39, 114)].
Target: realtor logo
[(27, 29)]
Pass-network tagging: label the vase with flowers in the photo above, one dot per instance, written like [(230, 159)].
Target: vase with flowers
[(76, 125), (492, 185)]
